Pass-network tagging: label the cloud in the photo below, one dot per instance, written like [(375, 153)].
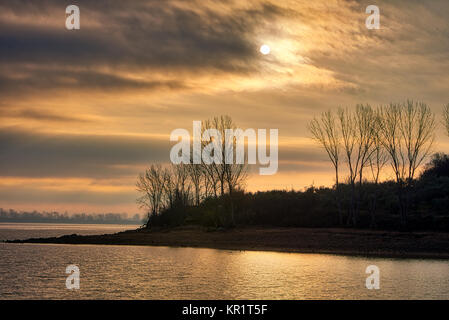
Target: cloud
[(31, 154), (143, 36), (181, 45), (40, 115), (97, 103), (54, 80), (39, 195)]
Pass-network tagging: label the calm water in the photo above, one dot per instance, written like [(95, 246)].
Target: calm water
[(133, 272)]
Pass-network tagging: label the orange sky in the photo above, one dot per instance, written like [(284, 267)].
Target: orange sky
[(84, 111)]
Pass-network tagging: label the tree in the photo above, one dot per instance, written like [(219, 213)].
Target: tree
[(365, 120), (357, 136), (377, 161), (177, 186), (219, 170), (213, 171), (325, 132), (437, 167), (225, 176), (196, 174), (407, 134), (164, 188), (152, 184), (446, 117)]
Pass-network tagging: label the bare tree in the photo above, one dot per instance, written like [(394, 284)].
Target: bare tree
[(357, 132), (325, 132), (234, 174), (349, 138), (213, 172), (236, 170), (209, 182), (446, 117), (221, 124), (164, 188), (177, 187), (407, 132), (365, 129), (196, 173), (152, 184), (377, 161)]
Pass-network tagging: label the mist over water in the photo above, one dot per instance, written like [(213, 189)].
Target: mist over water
[(35, 271), (20, 231)]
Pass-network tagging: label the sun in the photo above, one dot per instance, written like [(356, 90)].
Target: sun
[(265, 49)]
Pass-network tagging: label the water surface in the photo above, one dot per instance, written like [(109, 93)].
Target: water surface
[(20, 231), (37, 271)]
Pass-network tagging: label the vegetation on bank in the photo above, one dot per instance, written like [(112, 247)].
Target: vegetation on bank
[(376, 154), (12, 215)]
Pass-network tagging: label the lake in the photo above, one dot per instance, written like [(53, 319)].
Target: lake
[(35, 271)]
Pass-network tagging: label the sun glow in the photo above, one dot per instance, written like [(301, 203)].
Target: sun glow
[(265, 49)]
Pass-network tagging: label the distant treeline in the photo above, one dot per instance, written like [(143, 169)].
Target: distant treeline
[(380, 151), (56, 217)]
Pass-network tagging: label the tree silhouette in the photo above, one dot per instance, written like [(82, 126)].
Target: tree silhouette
[(325, 132), (407, 132), (183, 185), (446, 117)]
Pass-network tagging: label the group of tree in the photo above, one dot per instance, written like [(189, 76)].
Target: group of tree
[(179, 186), (12, 215), (366, 140), (376, 154)]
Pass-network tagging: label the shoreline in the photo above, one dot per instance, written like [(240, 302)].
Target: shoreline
[(339, 241)]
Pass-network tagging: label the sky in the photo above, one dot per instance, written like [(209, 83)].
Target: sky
[(82, 112)]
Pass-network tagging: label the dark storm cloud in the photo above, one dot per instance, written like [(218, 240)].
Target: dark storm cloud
[(140, 35), (26, 154), (37, 80), (29, 154), (36, 114)]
